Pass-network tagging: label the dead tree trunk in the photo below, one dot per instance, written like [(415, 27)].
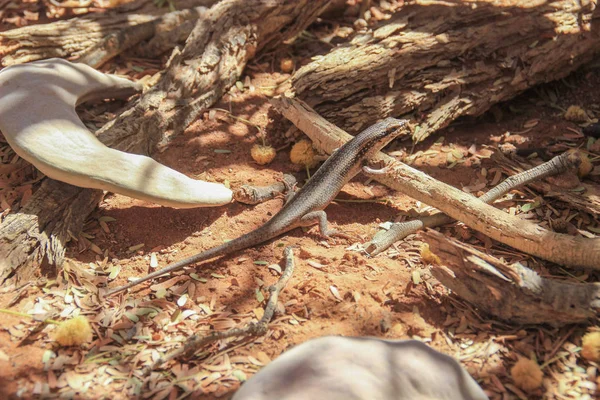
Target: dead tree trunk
[(444, 59), (72, 37), (213, 59)]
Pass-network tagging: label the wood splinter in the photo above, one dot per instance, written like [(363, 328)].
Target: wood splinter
[(38, 119)]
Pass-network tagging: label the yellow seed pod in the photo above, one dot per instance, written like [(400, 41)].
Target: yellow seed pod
[(576, 114), (262, 154), (526, 374), (302, 153), (73, 332), (286, 65), (428, 256), (590, 346), (585, 167)]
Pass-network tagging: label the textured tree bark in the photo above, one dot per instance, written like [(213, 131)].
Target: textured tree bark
[(72, 37), (510, 292), (440, 60), (211, 62), (36, 235)]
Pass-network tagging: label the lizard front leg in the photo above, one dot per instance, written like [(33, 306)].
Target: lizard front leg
[(321, 217)]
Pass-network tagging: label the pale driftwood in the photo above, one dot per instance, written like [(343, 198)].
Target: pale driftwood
[(211, 62), (72, 37), (510, 230), (513, 292), (568, 161), (38, 119), (35, 236), (444, 59)]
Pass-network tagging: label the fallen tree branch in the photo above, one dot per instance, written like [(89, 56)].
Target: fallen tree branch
[(498, 225), (513, 292), (399, 230), (254, 329), (159, 31), (441, 59)]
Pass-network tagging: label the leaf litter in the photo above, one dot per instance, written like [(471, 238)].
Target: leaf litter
[(136, 331)]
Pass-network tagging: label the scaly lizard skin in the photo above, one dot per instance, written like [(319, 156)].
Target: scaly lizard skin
[(306, 207)]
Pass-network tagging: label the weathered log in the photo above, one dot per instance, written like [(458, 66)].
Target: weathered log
[(72, 37), (444, 59), (37, 234), (211, 62), (510, 292), (164, 32)]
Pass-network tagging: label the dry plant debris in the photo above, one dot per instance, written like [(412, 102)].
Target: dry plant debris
[(391, 296)]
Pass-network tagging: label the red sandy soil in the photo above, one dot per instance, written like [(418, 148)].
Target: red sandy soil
[(378, 295)]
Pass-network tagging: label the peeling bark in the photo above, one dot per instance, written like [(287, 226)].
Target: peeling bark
[(36, 235), (513, 292), (440, 60), (72, 37)]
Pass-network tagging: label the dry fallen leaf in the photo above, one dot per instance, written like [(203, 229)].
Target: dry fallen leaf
[(153, 260), (315, 264), (259, 312), (335, 293)]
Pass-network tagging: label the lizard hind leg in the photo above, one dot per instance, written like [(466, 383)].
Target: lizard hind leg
[(321, 217)]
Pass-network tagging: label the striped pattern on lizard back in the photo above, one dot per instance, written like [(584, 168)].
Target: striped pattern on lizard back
[(315, 195)]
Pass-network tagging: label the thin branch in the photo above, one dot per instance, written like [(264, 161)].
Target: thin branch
[(260, 328), (399, 230)]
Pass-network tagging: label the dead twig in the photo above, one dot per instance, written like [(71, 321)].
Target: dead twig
[(253, 329)]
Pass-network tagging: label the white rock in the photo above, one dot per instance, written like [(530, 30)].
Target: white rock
[(341, 368)]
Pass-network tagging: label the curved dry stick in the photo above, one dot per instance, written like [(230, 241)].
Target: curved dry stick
[(38, 119), (253, 329), (399, 230)]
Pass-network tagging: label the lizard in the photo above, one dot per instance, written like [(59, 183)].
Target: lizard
[(306, 206)]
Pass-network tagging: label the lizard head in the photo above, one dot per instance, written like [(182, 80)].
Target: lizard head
[(377, 136)]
